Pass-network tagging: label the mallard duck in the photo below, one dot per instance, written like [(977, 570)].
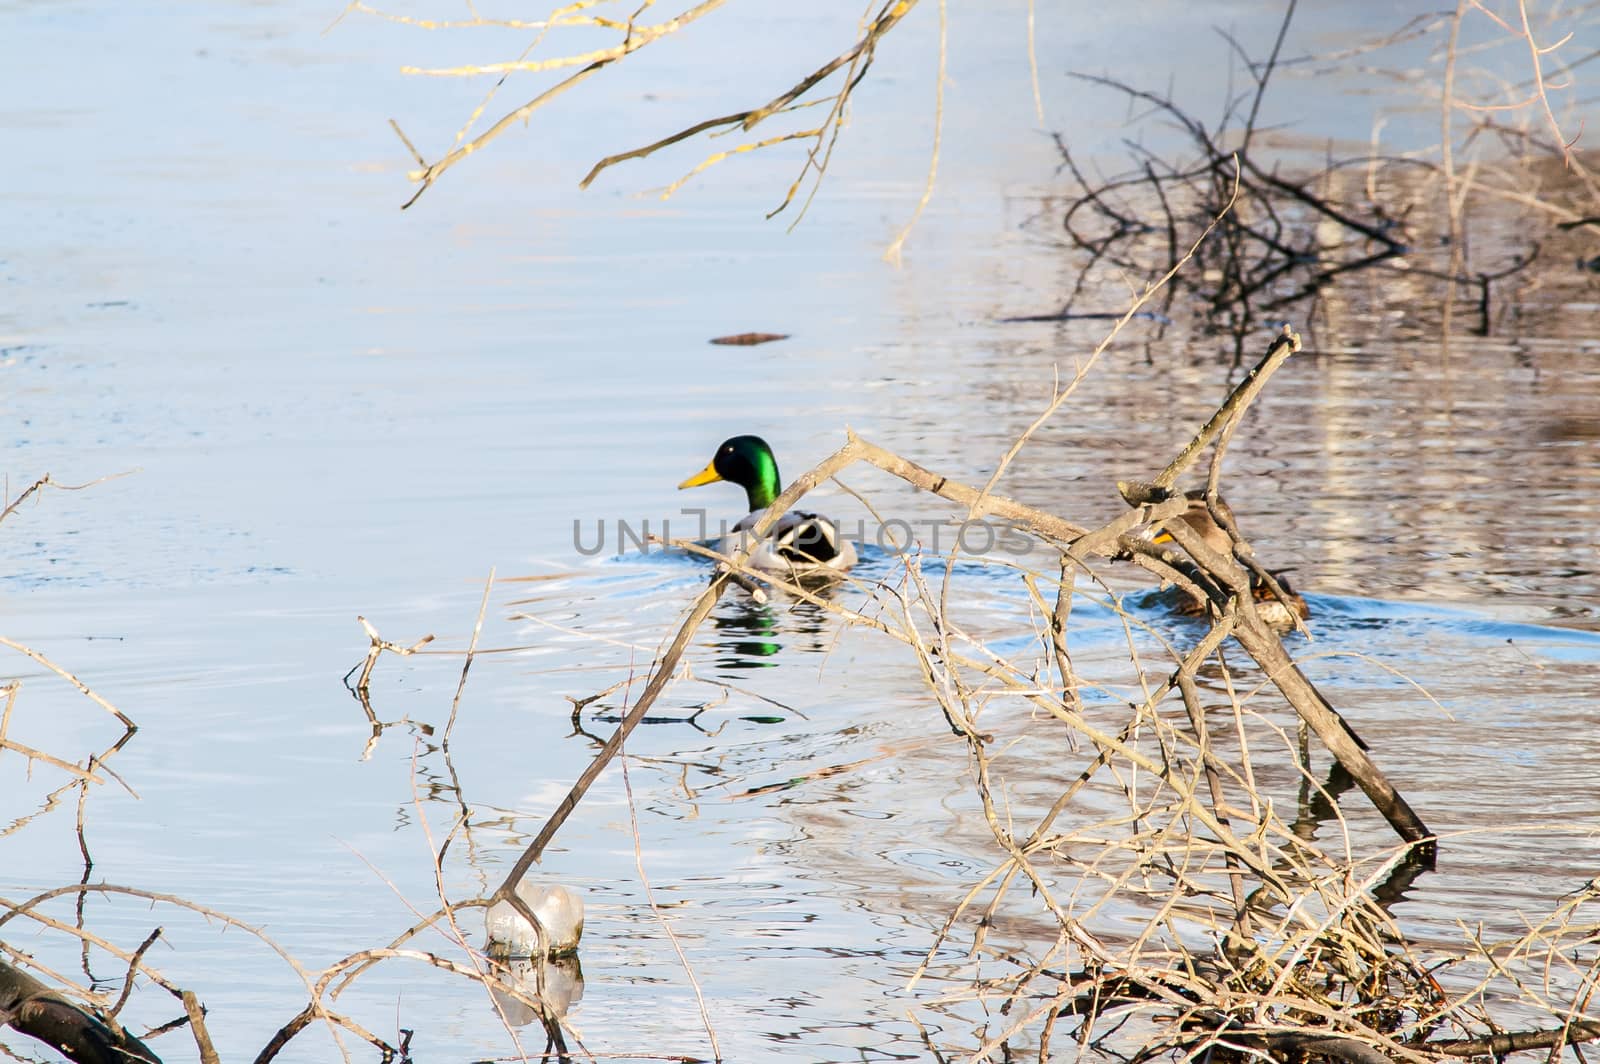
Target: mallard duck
[(799, 542), (1277, 613)]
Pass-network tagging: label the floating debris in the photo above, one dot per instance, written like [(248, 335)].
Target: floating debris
[(558, 909), (749, 339)]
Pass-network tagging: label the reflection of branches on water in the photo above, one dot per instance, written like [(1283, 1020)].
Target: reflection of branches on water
[(36, 1009), (50, 802), (1287, 241), (103, 1010), (89, 1011), (361, 690), (93, 768), (81, 1020)]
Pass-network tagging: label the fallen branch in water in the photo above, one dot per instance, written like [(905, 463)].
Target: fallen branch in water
[(35, 1010)]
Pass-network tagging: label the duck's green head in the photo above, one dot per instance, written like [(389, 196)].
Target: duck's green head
[(746, 461)]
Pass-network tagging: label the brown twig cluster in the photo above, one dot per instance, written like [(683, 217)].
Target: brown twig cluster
[(1292, 236), (629, 34), (1252, 940)]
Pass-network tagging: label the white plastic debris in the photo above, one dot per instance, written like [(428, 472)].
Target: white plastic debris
[(558, 909)]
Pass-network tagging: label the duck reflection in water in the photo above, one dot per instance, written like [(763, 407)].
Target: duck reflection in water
[(750, 634)]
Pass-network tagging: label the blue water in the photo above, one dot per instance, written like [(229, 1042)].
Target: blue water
[(327, 408)]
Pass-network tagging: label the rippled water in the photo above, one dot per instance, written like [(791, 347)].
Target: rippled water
[(327, 408)]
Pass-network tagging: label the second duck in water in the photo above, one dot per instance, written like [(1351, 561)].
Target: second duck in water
[(801, 543), (1277, 613)]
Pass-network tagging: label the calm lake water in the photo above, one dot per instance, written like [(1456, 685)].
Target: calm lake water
[(327, 407)]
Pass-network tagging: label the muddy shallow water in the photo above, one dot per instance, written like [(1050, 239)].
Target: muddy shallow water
[(329, 408)]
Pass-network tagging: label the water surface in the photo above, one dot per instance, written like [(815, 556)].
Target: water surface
[(329, 408)]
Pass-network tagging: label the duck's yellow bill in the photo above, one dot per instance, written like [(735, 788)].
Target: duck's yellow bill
[(708, 475), (1162, 537)]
